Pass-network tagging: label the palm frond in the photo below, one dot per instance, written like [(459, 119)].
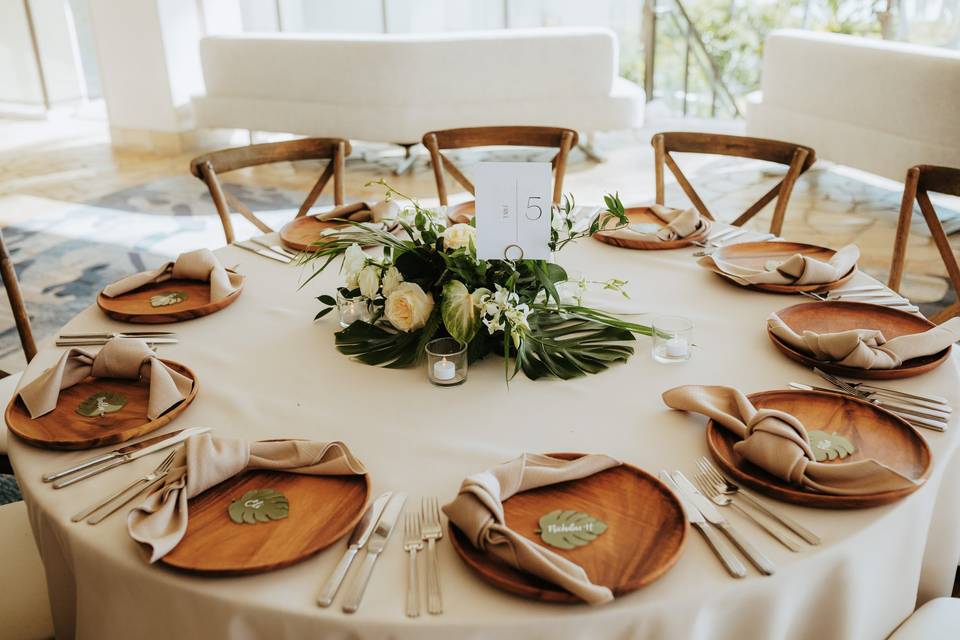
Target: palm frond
[(568, 347)]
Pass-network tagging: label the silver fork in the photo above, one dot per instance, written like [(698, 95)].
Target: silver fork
[(146, 482), (412, 543), (727, 487), (723, 500), (432, 531)]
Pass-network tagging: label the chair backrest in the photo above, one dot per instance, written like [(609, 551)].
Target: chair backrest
[(797, 157), (435, 141), (921, 180), (12, 285), (208, 166)]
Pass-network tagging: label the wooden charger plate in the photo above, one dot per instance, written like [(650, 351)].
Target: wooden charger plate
[(643, 215), (831, 317), (300, 233), (64, 428), (875, 433), (461, 213), (135, 305), (323, 509), (755, 255), (644, 539)]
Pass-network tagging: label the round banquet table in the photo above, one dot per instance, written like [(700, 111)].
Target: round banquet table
[(266, 370)]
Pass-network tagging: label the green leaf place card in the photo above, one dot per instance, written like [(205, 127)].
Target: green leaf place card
[(568, 529), (259, 505), (829, 446), (102, 403), (167, 298)]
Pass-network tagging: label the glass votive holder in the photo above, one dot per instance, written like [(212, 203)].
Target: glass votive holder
[(446, 362), (672, 339), (353, 309)]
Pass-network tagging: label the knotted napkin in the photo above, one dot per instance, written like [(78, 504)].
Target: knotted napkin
[(199, 265), (124, 358), (478, 513), (679, 224), (370, 210), (160, 522), (867, 348), (797, 269), (778, 443)]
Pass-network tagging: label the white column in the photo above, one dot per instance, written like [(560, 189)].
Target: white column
[(150, 66)]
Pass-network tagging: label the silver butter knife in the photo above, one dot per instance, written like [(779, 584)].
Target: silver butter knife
[(376, 544), (710, 512), (717, 543), (121, 456), (357, 539), (276, 248), (266, 253)]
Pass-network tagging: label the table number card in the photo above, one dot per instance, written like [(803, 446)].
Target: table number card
[(513, 210)]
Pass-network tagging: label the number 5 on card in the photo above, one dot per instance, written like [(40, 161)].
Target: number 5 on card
[(513, 210)]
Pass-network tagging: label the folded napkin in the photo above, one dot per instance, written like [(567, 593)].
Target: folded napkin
[(204, 461), (680, 224), (867, 348), (375, 210), (778, 443), (119, 358), (199, 265), (798, 269), (478, 513)]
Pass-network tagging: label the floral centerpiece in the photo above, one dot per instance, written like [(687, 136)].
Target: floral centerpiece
[(429, 284)]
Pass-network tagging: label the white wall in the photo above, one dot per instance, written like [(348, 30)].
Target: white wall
[(19, 81)]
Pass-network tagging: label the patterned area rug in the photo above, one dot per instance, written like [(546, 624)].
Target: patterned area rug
[(9, 489)]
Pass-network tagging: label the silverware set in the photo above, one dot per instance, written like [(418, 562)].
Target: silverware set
[(268, 250), (710, 490), (871, 294), (89, 339), (928, 412), (371, 533), (432, 532), (726, 237), (111, 459), (113, 503)]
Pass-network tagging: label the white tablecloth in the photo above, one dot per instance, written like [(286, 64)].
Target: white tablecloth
[(267, 371)]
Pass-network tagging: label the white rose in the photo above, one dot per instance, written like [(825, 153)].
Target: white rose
[(369, 280), (391, 280), (458, 235), (408, 307), (353, 261)]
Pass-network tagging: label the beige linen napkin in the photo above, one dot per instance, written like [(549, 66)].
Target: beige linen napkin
[(204, 461), (199, 265), (867, 348), (778, 443), (680, 224), (798, 269), (369, 210), (478, 513), (119, 358)]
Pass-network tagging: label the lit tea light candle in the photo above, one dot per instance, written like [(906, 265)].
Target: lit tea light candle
[(677, 347), (444, 369)]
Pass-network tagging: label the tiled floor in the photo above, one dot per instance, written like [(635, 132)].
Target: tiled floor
[(48, 168)]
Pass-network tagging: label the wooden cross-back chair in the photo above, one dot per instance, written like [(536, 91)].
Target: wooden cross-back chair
[(437, 141), (797, 158), (208, 167), (922, 179)]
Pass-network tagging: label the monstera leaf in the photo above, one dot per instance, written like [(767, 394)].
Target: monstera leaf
[(461, 310), (102, 403), (259, 505), (168, 298), (829, 446), (567, 529)]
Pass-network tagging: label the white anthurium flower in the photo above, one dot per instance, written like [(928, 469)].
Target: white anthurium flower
[(458, 236), (369, 281), (391, 280)]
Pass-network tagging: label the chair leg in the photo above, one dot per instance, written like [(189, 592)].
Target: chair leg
[(903, 229), (942, 316)]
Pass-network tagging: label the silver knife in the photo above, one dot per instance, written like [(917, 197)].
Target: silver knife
[(378, 540), (122, 456), (911, 412), (710, 512), (717, 543), (266, 253), (357, 539), (82, 342), (276, 248)]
